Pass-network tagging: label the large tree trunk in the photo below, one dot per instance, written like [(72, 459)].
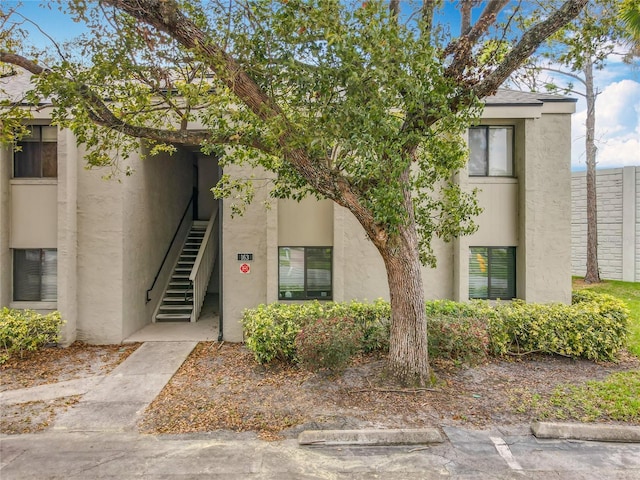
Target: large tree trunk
[(593, 273), (408, 356)]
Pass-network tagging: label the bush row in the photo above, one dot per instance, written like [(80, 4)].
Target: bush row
[(26, 330), (328, 334)]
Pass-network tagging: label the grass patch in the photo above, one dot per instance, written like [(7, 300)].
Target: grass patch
[(616, 398), (628, 292)]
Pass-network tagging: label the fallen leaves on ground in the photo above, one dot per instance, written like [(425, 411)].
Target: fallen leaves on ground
[(220, 387), (55, 364)]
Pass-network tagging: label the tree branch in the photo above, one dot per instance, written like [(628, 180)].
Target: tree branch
[(463, 45), (101, 114), (561, 72), (529, 42)]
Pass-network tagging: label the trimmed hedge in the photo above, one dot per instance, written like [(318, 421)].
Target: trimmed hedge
[(593, 327), (270, 330), (26, 330)]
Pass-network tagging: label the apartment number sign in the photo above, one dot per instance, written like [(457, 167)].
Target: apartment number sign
[(245, 257)]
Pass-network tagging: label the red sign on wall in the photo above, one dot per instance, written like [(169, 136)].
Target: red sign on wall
[(245, 268)]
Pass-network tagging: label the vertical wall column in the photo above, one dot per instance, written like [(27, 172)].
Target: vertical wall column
[(5, 221), (67, 234), (629, 220)]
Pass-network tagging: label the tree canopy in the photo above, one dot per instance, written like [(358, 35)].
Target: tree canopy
[(364, 103)]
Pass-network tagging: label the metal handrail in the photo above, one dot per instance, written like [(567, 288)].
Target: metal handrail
[(175, 234)]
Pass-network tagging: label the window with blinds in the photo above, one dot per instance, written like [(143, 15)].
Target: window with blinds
[(304, 273), (35, 275), (37, 154), (492, 273)]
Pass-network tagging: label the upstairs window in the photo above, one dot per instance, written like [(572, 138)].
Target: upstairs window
[(35, 275), (491, 151), (304, 273), (492, 273), (37, 156)]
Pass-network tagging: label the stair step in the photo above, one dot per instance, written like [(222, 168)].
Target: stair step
[(179, 284), (175, 291), (179, 277), (174, 300), (174, 308), (182, 269), (175, 317)]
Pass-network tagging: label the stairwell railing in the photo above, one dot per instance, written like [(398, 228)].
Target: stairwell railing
[(166, 254)]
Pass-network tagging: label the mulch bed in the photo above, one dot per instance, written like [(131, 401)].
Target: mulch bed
[(220, 387)]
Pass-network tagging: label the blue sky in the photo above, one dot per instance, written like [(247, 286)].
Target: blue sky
[(617, 108)]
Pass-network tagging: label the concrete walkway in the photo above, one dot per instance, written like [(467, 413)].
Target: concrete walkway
[(114, 402)]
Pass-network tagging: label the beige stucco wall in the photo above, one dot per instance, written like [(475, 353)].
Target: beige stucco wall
[(100, 209), (498, 222), (34, 213), (254, 233), (306, 223), (5, 220), (67, 234), (544, 256)]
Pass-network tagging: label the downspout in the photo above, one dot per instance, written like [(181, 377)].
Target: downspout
[(220, 268)]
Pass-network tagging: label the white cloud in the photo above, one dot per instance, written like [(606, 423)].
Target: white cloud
[(617, 126)]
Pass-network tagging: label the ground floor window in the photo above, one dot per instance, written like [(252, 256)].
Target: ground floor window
[(35, 275), (492, 272), (304, 273)]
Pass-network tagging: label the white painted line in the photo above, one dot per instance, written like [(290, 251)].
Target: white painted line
[(505, 452)]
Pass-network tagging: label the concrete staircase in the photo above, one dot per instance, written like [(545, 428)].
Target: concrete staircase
[(177, 303)]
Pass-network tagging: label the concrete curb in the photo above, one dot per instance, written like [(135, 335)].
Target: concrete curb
[(592, 432), (371, 437)]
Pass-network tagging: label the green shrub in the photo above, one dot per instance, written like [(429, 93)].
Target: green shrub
[(594, 327), (328, 343), (26, 330), (270, 330), (459, 338)]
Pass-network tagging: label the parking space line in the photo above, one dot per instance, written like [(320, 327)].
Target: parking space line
[(505, 452)]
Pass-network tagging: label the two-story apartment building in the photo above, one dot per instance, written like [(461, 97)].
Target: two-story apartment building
[(114, 256)]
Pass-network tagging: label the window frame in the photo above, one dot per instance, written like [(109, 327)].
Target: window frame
[(512, 250), (14, 278), (40, 159), (487, 163), (305, 285)]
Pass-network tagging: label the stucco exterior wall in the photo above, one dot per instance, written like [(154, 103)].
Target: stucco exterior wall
[(67, 235), (247, 234), (5, 221), (618, 205), (100, 207), (34, 214), (155, 198), (545, 216)]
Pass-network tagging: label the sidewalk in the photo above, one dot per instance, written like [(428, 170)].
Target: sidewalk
[(114, 402)]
